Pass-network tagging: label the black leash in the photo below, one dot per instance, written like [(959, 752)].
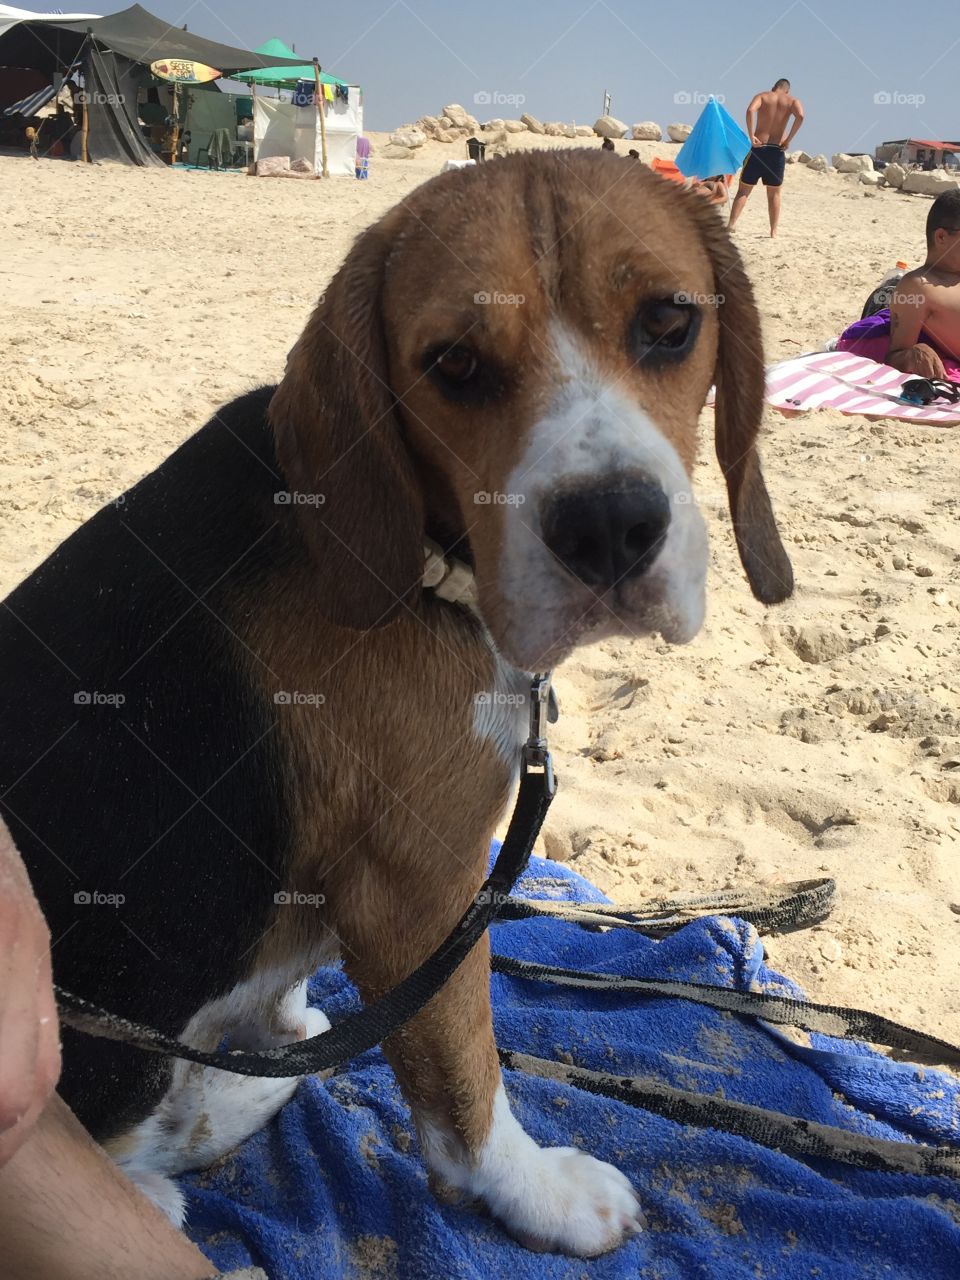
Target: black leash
[(779, 908), (373, 1024), (792, 1135), (827, 1019)]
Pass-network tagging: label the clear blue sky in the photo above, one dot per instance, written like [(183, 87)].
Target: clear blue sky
[(864, 71)]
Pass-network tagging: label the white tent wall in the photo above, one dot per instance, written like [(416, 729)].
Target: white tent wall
[(282, 129)]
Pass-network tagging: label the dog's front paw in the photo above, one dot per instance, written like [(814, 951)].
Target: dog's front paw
[(562, 1200)]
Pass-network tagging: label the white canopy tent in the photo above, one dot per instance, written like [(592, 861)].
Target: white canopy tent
[(285, 129), (9, 17)]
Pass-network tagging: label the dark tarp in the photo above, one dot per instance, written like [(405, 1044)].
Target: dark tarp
[(111, 83), (134, 33)]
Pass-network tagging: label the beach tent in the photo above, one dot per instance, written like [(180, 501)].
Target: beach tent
[(280, 77), (115, 53), (716, 144), (9, 17), (293, 128)]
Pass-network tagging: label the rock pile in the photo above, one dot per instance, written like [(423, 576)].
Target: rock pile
[(455, 124)]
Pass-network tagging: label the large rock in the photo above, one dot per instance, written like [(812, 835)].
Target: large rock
[(930, 184), (844, 163), (803, 157), (428, 124), (894, 174), (569, 131), (679, 132), (610, 127), (396, 151), (583, 131), (493, 125), (457, 115), (871, 179), (409, 137), (553, 129), (646, 131), (516, 126), (819, 164), (532, 123)]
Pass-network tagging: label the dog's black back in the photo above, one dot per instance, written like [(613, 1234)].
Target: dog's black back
[(120, 683)]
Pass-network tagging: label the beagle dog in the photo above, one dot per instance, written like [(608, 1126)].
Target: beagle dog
[(240, 735)]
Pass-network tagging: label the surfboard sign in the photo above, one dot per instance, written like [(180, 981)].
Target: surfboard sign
[(183, 71)]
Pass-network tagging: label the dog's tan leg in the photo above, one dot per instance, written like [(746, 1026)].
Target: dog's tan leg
[(446, 1062)]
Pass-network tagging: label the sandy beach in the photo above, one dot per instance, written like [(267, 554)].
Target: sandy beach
[(818, 738)]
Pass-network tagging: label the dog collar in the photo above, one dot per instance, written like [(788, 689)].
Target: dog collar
[(449, 579)]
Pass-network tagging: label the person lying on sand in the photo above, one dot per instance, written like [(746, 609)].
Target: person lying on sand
[(713, 189), (920, 333)]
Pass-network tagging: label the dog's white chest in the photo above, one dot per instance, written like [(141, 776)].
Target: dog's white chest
[(501, 714)]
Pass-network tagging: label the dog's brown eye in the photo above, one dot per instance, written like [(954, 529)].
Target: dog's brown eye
[(663, 330), (462, 376), (457, 364)]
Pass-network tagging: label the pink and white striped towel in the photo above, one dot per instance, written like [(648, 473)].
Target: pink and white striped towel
[(848, 383)]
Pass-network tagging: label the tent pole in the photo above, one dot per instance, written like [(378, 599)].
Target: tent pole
[(322, 113), (175, 131), (85, 126), (253, 93)]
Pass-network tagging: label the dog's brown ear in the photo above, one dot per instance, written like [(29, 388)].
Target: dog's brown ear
[(340, 446), (739, 378)]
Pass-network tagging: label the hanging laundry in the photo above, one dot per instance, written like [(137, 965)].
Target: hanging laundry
[(328, 93)]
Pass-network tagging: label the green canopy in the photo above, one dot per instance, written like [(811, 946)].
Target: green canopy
[(282, 77)]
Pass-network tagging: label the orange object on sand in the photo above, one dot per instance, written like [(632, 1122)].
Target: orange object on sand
[(666, 169)]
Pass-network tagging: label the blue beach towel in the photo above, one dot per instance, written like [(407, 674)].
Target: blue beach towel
[(334, 1188)]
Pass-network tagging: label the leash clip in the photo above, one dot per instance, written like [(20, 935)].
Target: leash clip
[(536, 751)]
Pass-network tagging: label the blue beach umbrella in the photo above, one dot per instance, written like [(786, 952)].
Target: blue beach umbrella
[(716, 144)]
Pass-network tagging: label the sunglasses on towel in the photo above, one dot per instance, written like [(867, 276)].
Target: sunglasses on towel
[(926, 390)]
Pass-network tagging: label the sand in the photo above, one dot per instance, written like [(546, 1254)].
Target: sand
[(817, 738)]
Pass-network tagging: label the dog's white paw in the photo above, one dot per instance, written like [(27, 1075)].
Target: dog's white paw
[(162, 1192), (315, 1023), (565, 1201), (550, 1198)]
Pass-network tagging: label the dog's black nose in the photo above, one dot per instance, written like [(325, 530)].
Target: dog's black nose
[(604, 536)]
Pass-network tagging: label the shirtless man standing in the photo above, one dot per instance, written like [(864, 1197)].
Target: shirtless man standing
[(925, 307), (767, 118)]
